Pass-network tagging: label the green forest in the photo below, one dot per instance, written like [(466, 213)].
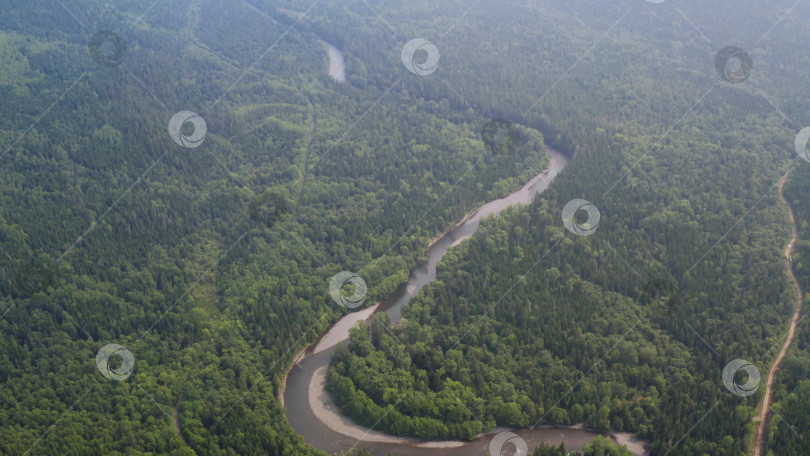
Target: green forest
[(211, 264), (599, 447), (789, 423)]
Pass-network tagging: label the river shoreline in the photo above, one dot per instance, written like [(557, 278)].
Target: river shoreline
[(553, 162), (315, 415)]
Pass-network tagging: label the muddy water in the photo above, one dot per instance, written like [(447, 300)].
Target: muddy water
[(313, 413)]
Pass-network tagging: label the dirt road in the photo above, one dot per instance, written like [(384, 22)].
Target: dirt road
[(768, 399)]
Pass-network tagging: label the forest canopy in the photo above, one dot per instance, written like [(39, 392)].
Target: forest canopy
[(206, 252)]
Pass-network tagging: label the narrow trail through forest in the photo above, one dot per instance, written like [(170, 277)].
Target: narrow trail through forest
[(768, 399), (176, 419)]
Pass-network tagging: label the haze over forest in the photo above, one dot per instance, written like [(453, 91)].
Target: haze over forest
[(375, 227)]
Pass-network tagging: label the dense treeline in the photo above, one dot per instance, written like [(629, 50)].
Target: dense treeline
[(200, 261), (600, 446), (214, 303), (687, 200), (788, 422)]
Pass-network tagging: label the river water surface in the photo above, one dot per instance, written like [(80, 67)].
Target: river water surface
[(311, 410)]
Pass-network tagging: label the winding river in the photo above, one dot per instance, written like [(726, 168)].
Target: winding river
[(311, 410)]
